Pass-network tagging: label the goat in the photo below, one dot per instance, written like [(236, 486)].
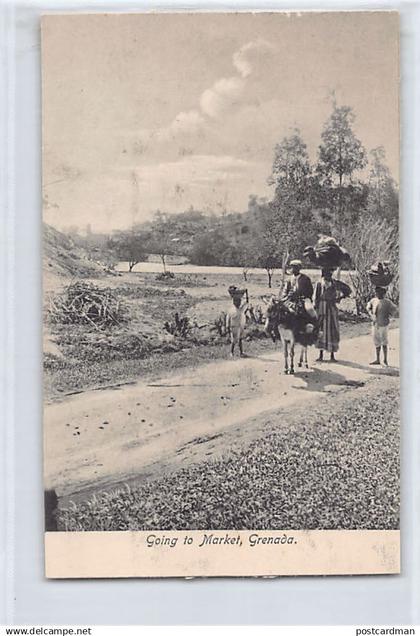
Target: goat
[(292, 325)]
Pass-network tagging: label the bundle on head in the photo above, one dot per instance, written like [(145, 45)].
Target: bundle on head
[(235, 292), (85, 303), (327, 253), (380, 274)]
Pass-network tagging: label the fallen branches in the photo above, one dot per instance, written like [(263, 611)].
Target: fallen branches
[(85, 303)]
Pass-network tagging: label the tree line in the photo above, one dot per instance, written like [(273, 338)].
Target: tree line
[(346, 192)]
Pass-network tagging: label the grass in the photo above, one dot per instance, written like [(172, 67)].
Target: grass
[(333, 467), (74, 375), (140, 348)]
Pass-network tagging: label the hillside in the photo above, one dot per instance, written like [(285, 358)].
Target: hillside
[(63, 259), (184, 234)]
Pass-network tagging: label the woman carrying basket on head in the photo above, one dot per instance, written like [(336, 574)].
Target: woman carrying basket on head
[(328, 293)]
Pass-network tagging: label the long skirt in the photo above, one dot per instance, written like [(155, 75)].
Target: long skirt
[(329, 327)]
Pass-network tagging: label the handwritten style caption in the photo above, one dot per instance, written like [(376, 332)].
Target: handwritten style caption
[(210, 539)]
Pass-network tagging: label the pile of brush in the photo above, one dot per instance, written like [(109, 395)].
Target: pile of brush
[(86, 304)]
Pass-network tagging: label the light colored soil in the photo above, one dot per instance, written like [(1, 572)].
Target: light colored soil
[(202, 297), (100, 438)]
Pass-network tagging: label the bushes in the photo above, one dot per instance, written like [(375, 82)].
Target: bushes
[(89, 346), (165, 276), (178, 326), (370, 241)]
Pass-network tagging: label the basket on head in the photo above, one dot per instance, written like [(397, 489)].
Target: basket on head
[(235, 292), (327, 253), (380, 274)]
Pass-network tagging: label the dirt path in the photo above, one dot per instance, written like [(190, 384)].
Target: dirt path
[(103, 437)]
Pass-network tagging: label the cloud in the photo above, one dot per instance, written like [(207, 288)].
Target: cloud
[(224, 94), (227, 91), (251, 54), (210, 125), (184, 123)]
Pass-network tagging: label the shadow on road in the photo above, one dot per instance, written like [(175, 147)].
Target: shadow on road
[(392, 371), (318, 379), (372, 370), (353, 365)]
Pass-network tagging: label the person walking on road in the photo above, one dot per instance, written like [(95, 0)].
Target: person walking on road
[(236, 320), (328, 293), (380, 310)]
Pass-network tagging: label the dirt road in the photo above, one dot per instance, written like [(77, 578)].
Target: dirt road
[(104, 437)]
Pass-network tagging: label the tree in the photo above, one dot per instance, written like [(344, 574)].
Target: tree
[(288, 221), (267, 254), (340, 156), (211, 248), (159, 237), (246, 253), (261, 247), (383, 193), (129, 246), (291, 168), (340, 153)]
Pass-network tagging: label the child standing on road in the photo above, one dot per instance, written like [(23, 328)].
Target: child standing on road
[(381, 309), (236, 321)]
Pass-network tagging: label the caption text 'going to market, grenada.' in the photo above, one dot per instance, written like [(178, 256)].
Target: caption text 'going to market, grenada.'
[(254, 539)]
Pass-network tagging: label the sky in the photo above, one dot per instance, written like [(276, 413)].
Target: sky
[(164, 111)]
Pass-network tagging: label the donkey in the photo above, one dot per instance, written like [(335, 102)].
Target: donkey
[(291, 324)]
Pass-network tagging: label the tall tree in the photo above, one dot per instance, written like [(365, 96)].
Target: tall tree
[(291, 167), (289, 220), (261, 244), (383, 193), (340, 156), (267, 246), (340, 153)]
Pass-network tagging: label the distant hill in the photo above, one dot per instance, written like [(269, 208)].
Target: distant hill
[(186, 227)]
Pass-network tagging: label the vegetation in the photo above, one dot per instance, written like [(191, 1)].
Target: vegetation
[(346, 192), (312, 469), (372, 240), (335, 195), (313, 472), (129, 246)]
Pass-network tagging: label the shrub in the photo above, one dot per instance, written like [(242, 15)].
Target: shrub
[(372, 240), (165, 276)]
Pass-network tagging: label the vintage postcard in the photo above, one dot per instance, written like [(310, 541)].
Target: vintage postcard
[(221, 294)]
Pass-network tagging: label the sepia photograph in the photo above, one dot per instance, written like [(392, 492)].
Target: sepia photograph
[(221, 292)]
